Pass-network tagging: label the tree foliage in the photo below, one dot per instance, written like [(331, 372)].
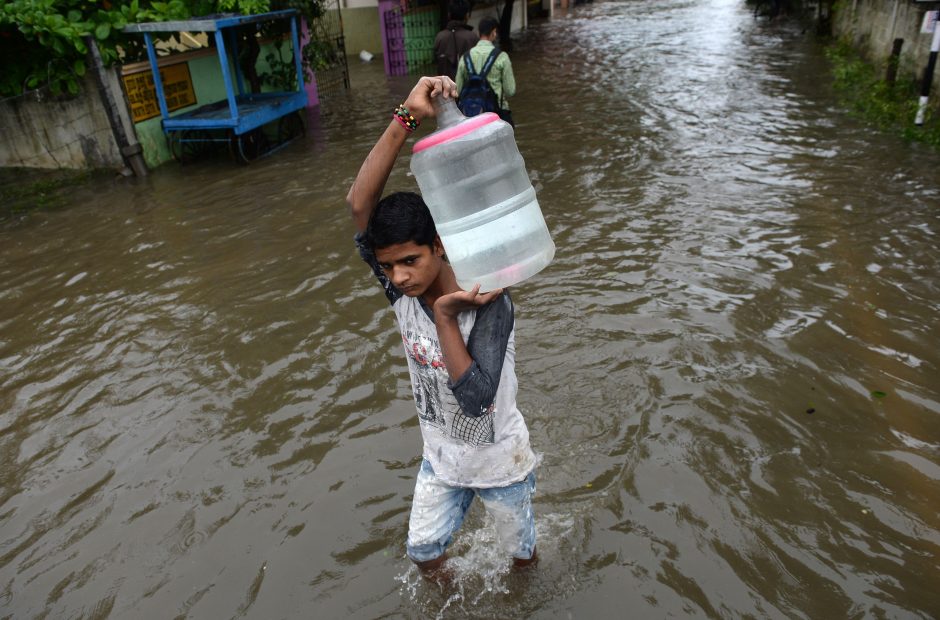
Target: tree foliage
[(43, 42)]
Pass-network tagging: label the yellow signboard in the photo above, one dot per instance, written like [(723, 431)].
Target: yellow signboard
[(177, 87)]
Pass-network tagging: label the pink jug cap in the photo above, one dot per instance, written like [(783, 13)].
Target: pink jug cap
[(452, 133)]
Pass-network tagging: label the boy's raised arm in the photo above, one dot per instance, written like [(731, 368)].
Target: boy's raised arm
[(367, 189)]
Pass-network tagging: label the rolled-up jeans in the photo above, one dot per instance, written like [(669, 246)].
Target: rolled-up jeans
[(438, 510)]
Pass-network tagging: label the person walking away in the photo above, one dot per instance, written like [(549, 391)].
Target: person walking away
[(454, 40), (499, 78), (460, 350)]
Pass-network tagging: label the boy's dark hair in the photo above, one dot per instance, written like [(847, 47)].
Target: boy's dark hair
[(487, 25), (400, 217), (458, 9)]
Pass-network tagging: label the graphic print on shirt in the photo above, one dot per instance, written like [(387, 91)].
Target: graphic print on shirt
[(427, 360), (437, 406)]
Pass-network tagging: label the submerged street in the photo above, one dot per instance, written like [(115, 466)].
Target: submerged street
[(729, 371)]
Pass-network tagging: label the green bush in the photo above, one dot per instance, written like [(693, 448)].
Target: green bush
[(43, 42), (892, 107)]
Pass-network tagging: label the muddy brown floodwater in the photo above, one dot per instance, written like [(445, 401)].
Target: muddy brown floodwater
[(730, 370)]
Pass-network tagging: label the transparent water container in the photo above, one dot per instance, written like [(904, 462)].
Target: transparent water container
[(474, 181)]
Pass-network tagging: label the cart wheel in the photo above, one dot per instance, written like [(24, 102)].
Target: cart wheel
[(289, 127), (174, 142), (185, 146), (248, 146)]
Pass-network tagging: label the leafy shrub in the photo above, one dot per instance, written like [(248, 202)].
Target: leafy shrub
[(43, 43), (891, 107)]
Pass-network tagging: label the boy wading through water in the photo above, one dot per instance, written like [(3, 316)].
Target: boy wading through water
[(460, 349)]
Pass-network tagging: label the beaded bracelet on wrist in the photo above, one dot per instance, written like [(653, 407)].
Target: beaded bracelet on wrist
[(409, 122)]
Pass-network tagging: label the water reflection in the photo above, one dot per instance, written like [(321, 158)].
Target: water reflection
[(205, 411)]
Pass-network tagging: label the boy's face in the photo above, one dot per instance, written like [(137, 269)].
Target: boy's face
[(412, 268)]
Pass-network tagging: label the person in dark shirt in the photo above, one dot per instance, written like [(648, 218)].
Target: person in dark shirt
[(454, 40)]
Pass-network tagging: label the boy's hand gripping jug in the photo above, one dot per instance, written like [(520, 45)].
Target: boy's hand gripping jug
[(474, 181)]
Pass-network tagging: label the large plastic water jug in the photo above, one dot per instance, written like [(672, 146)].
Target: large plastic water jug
[(475, 184)]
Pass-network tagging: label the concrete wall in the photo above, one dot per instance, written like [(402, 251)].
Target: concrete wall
[(872, 25), (71, 133), (361, 30), (519, 14), (75, 132)]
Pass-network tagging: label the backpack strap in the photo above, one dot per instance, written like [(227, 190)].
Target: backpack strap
[(471, 70), (490, 60)]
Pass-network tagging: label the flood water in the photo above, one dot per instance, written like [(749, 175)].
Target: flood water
[(730, 370)]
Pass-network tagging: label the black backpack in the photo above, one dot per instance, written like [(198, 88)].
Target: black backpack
[(476, 96)]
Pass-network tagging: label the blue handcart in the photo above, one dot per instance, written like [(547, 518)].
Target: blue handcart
[(239, 118)]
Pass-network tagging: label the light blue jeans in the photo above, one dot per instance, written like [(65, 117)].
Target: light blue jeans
[(438, 510)]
